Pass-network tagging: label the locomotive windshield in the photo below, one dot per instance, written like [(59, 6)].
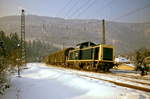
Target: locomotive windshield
[(107, 54)]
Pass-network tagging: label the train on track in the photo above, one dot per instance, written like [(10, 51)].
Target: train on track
[(86, 56)]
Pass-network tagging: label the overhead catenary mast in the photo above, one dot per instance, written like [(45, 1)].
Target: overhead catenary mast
[(23, 51), (103, 32)]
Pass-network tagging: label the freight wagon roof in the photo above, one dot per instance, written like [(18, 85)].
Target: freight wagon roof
[(62, 51)]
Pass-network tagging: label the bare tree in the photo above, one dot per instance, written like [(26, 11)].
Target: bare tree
[(141, 56)]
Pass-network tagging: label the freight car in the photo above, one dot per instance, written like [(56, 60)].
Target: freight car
[(58, 58), (87, 56)]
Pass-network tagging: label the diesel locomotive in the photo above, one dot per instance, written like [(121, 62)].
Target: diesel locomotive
[(86, 56)]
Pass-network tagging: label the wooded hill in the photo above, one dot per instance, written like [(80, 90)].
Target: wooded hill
[(126, 37)]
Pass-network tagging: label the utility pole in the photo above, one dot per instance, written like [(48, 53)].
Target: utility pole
[(23, 51), (18, 59), (103, 32)]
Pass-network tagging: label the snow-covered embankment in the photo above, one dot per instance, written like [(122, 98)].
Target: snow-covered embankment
[(42, 82)]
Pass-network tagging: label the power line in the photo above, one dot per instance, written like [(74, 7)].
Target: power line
[(64, 7), (80, 8), (92, 3), (107, 4), (76, 3), (89, 6), (132, 12)]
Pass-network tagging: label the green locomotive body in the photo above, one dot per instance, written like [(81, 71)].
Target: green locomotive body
[(92, 57), (87, 56)]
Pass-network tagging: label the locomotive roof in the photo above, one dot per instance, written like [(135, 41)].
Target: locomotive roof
[(86, 43)]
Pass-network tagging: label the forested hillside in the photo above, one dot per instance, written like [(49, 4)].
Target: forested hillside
[(37, 49), (126, 37)]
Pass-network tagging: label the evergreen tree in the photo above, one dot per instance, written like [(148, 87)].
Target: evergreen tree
[(10, 54)]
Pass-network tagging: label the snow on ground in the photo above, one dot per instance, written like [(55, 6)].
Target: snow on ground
[(117, 78), (122, 59), (132, 65), (42, 82)]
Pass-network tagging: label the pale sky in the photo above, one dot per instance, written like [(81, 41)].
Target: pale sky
[(112, 10)]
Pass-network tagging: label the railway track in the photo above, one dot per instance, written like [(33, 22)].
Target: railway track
[(122, 80), (133, 76), (135, 85)]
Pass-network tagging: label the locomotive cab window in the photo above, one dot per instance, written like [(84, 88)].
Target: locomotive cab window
[(71, 56), (108, 54), (96, 53)]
